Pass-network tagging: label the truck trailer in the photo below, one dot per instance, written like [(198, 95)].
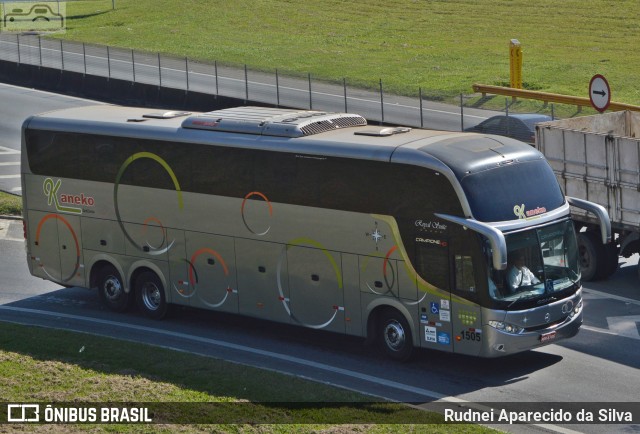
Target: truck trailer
[(597, 158)]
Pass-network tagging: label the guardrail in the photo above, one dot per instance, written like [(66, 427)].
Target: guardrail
[(547, 97)]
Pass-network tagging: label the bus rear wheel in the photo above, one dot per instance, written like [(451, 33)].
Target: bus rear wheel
[(395, 335), (150, 295), (111, 289)]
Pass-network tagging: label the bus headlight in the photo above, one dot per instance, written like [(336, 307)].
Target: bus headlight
[(576, 310), (505, 327)]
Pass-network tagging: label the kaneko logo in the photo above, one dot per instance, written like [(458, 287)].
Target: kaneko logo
[(61, 200)]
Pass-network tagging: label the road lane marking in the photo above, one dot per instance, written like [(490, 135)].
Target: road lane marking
[(601, 294)]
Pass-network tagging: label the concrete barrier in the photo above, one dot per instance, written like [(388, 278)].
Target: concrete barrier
[(115, 91)]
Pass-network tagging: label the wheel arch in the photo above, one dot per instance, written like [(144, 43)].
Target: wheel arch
[(100, 261), (140, 267), (376, 307)]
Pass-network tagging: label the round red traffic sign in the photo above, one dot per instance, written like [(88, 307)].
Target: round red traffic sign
[(599, 93)]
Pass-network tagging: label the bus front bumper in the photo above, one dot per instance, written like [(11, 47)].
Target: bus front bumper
[(500, 343)]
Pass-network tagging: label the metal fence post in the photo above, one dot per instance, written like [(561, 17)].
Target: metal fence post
[(246, 85), (18, 44), (40, 50), (215, 66), (310, 97), (108, 64), (277, 89), (421, 114), (84, 58), (461, 113), (186, 70), (61, 55), (344, 86), (133, 65), (381, 103), (159, 72)]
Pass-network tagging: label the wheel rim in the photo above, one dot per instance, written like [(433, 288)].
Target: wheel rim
[(394, 335), (151, 296), (585, 257), (112, 288)]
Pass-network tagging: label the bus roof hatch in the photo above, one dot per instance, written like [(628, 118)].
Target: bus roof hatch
[(272, 121)]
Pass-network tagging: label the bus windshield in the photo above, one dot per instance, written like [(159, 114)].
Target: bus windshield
[(541, 263)]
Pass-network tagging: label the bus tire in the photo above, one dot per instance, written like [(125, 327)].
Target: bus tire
[(394, 335), (592, 255), (111, 289), (150, 295)]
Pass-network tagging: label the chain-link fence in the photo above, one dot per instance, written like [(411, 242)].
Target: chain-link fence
[(278, 88)]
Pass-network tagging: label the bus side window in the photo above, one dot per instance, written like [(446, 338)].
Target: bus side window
[(464, 277), (432, 264)]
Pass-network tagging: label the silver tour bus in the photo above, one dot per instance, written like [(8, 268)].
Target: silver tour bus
[(409, 237)]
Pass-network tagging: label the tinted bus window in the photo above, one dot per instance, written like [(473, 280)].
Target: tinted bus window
[(494, 194)]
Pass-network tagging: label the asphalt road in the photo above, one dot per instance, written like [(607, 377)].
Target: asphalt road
[(16, 104)]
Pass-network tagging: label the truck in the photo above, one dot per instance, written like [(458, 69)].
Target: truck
[(597, 158)]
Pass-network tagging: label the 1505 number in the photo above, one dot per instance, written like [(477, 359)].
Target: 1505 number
[(468, 335)]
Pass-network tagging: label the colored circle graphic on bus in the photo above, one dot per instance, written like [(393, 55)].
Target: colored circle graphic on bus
[(252, 227), (304, 242), (137, 156), (75, 240), (193, 275)]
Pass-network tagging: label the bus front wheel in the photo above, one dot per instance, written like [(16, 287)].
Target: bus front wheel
[(111, 289), (150, 295), (395, 335)]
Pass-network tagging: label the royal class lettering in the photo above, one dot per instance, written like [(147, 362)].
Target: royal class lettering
[(430, 225)]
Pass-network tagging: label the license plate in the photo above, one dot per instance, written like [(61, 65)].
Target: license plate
[(548, 337)]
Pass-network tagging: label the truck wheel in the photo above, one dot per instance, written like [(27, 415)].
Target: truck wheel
[(592, 255), (150, 295), (111, 289), (395, 335)]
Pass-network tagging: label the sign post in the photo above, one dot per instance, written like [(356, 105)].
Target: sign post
[(515, 64), (599, 93)]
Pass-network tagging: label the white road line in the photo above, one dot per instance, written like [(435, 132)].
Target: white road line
[(11, 163), (601, 294), (16, 189), (9, 176), (8, 151)]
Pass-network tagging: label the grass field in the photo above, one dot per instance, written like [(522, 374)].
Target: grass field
[(42, 365), (10, 204), (441, 46)]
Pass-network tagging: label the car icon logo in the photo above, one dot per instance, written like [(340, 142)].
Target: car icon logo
[(40, 16)]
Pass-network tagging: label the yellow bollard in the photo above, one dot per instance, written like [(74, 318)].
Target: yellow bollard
[(515, 64)]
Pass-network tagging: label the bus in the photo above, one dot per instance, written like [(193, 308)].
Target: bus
[(405, 237)]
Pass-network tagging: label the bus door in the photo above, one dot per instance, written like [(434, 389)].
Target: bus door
[(466, 317), (432, 264), (55, 248)]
